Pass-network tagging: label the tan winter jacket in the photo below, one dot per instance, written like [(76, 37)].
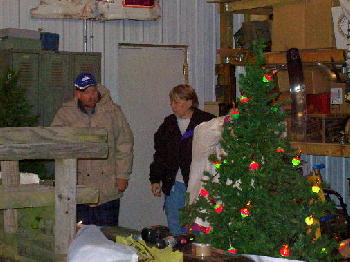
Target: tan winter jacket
[(102, 173)]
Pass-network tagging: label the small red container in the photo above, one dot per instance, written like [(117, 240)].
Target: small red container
[(318, 103)]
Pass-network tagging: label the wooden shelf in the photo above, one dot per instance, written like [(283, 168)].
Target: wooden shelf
[(309, 56), (272, 58), (248, 4), (242, 6), (322, 149)]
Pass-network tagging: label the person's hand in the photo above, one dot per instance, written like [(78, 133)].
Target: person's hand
[(156, 189), (122, 184)]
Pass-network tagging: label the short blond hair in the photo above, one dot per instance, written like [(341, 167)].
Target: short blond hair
[(185, 92)]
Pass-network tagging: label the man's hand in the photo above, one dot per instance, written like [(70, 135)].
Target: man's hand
[(122, 184), (156, 189)]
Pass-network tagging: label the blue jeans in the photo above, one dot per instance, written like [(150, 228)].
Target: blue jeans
[(105, 214), (172, 204)]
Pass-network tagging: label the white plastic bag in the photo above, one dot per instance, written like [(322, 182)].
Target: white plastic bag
[(91, 245)]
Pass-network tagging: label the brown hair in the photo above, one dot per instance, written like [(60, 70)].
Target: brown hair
[(185, 92)]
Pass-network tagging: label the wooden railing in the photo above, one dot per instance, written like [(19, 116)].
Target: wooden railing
[(63, 144)]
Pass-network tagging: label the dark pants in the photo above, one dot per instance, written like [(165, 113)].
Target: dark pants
[(105, 214)]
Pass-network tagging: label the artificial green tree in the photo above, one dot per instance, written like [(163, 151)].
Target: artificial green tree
[(15, 111), (257, 202)]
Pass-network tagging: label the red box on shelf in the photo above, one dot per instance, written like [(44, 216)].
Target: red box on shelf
[(318, 103)]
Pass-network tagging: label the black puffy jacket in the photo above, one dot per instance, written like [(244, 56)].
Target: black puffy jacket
[(173, 150)]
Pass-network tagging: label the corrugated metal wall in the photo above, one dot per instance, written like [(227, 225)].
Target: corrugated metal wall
[(335, 174), (184, 22)]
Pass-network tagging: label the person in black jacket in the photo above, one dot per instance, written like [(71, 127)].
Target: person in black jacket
[(173, 152)]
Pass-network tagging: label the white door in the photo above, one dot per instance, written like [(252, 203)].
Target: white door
[(146, 74)]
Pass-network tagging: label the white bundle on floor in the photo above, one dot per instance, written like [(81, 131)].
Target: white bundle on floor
[(27, 178), (91, 245)]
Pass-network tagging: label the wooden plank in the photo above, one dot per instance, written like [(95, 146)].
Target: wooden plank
[(10, 176), (255, 11), (322, 149), (65, 203), (308, 56), (334, 2), (32, 135), (22, 196), (250, 4), (226, 28), (18, 143)]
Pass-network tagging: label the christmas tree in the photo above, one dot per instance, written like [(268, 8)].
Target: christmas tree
[(15, 111), (257, 202), (14, 108)]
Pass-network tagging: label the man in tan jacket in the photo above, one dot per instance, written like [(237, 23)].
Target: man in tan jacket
[(92, 106)]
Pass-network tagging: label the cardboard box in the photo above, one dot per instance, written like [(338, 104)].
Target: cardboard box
[(306, 24), (316, 80), (254, 30), (212, 107)]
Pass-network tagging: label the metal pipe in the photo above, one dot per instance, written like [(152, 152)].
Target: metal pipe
[(91, 35), (85, 35)]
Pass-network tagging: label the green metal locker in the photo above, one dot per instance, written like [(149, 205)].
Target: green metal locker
[(49, 76), (86, 62), (55, 85)]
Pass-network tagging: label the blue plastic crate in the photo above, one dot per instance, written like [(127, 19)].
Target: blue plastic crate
[(49, 41)]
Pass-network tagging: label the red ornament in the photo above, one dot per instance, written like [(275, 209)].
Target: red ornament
[(244, 99), (203, 192), (232, 250), (269, 77), (342, 245), (217, 164), (285, 251), (280, 150), (207, 230), (296, 161), (245, 212), (218, 208), (235, 114), (254, 165)]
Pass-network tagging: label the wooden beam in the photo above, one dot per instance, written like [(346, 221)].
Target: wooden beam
[(10, 176), (17, 143), (65, 203), (34, 195), (334, 2), (29, 135), (250, 4), (309, 56), (255, 11), (226, 28), (322, 149), (218, 1)]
